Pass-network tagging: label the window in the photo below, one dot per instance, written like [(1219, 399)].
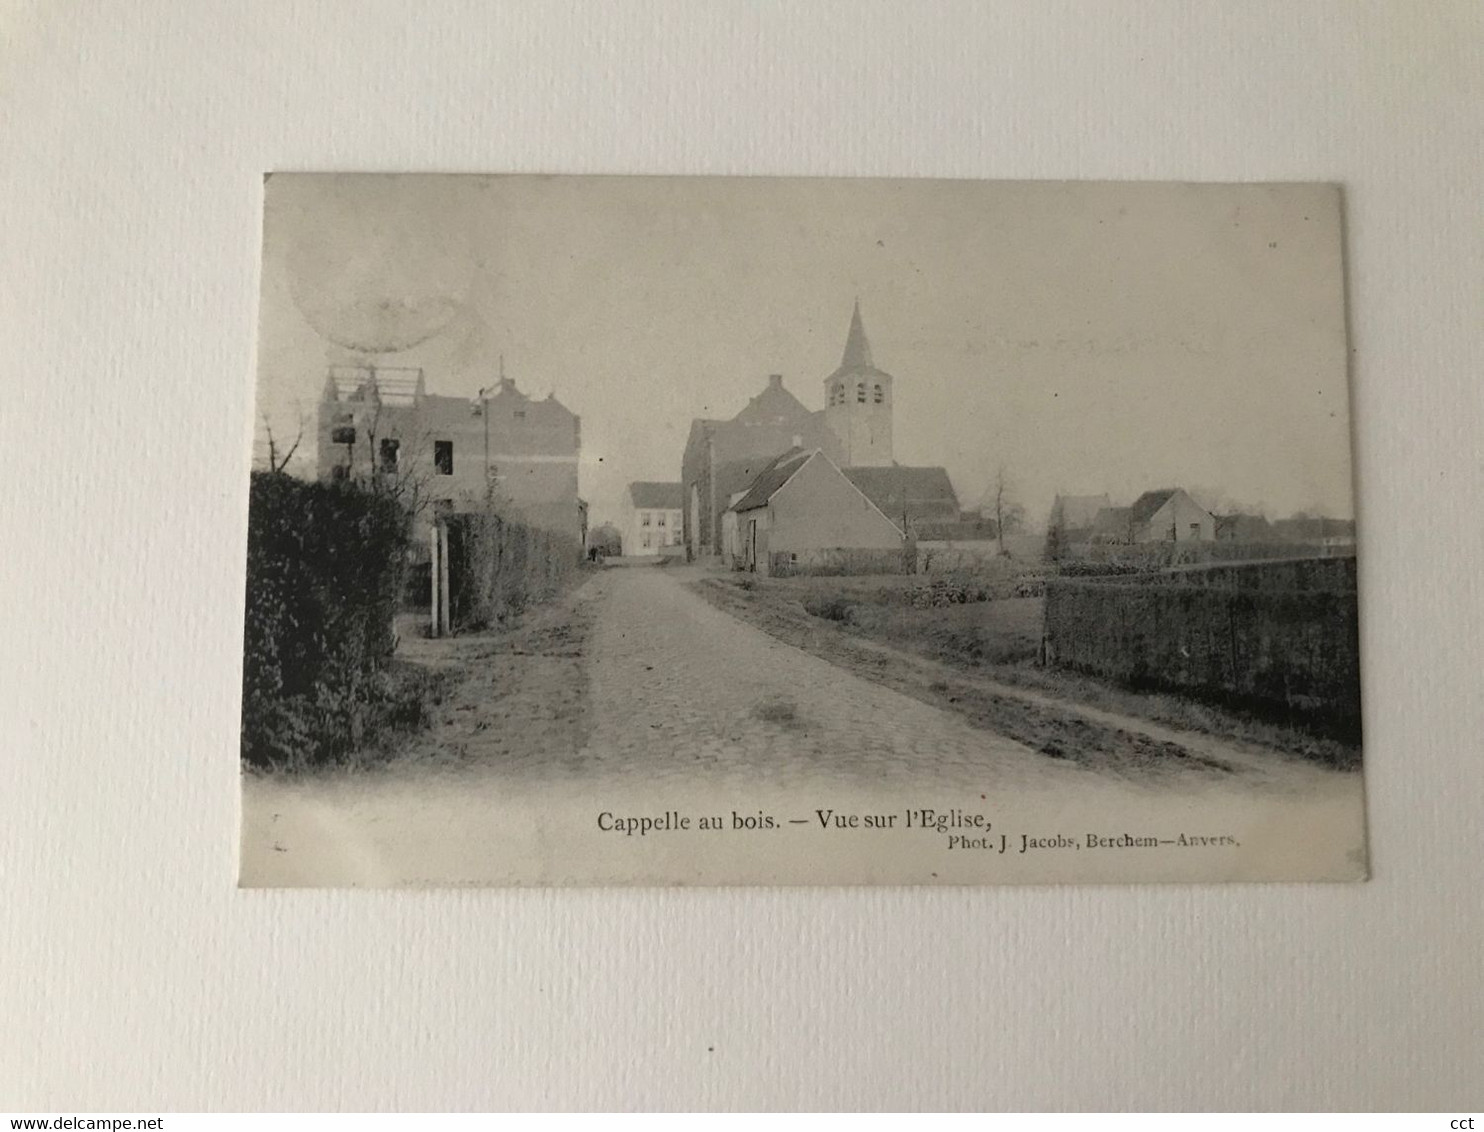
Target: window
[(389, 455), (443, 457), (1195, 530), (520, 414), (878, 393), (644, 521), (659, 520), (646, 542), (860, 393)]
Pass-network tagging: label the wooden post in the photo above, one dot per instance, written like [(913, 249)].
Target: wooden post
[(447, 609), (435, 602)]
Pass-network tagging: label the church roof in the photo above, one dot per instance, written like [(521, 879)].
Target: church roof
[(774, 403), (856, 361), (857, 347)]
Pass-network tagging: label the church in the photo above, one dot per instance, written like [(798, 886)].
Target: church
[(724, 458)]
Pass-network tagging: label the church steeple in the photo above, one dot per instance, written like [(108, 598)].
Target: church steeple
[(857, 350), (858, 401)]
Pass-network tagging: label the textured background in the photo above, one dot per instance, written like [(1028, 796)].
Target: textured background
[(133, 975)]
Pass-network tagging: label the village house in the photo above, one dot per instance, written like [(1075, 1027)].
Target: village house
[(652, 523), (803, 511), (723, 459), (454, 452), (1166, 515)]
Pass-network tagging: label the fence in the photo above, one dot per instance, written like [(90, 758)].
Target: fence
[(1278, 637), (497, 567)]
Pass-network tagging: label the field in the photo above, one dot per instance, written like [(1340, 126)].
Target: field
[(995, 643), (1003, 631)]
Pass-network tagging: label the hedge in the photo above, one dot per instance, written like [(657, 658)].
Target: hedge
[(841, 562), (1279, 651), (325, 569), (498, 566)]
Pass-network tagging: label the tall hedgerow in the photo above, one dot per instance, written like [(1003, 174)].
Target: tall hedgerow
[(500, 565), (325, 569)]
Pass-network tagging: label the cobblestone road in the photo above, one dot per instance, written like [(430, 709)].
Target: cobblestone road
[(682, 690), (688, 709)]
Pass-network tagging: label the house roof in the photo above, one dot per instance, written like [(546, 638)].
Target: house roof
[(1112, 520), (505, 390), (773, 477), (657, 496), (927, 492), (1151, 501)]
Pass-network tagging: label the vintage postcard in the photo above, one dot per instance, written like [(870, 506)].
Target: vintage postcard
[(704, 531)]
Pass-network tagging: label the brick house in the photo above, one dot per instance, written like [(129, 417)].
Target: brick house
[(383, 421)]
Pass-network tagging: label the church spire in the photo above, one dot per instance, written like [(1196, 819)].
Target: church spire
[(857, 349)]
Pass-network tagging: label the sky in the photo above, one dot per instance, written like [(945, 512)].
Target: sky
[(1083, 337)]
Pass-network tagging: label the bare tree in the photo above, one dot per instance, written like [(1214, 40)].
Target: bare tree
[(1008, 514), (404, 476), (277, 463)]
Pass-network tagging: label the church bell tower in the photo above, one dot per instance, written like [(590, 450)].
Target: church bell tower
[(857, 399)]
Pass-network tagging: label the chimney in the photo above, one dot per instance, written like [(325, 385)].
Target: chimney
[(775, 381), (798, 441)]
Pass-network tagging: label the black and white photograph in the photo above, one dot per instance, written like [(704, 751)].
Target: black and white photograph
[(716, 531), (746, 557)]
